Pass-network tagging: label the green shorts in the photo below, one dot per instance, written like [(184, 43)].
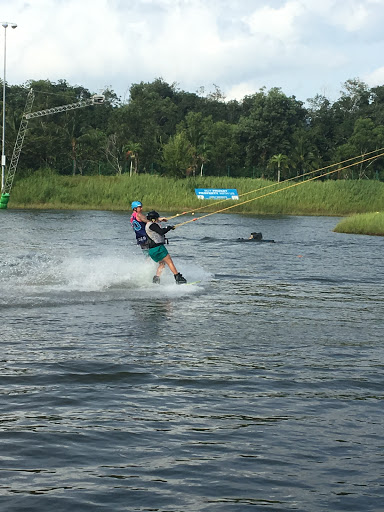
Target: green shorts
[(158, 253)]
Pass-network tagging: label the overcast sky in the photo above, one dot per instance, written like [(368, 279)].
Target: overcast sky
[(305, 47)]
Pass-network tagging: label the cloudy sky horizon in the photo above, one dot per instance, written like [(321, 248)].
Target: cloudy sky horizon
[(303, 47)]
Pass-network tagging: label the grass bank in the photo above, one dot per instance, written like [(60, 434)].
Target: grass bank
[(336, 198), (362, 224)]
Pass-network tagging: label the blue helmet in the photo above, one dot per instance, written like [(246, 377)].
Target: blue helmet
[(135, 204)]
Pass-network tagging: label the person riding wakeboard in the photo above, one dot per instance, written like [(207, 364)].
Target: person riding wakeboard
[(157, 250), (138, 221)]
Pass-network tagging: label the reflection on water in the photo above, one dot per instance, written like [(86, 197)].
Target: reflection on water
[(260, 388)]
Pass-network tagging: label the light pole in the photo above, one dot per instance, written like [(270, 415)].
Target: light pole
[(5, 24)]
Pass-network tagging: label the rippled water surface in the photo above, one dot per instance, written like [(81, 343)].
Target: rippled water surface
[(258, 388)]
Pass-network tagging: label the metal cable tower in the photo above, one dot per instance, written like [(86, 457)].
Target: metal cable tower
[(97, 99), (19, 143)]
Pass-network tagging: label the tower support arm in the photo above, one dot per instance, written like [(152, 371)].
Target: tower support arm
[(95, 100)]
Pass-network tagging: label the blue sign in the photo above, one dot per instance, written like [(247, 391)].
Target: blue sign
[(216, 193)]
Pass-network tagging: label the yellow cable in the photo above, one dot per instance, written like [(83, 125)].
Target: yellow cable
[(281, 190), (275, 184)]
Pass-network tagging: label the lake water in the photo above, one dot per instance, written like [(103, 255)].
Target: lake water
[(259, 388)]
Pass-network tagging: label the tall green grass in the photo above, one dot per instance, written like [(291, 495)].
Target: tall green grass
[(362, 224), (338, 198)]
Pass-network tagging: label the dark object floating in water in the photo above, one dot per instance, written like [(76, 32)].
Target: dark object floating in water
[(255, 237)]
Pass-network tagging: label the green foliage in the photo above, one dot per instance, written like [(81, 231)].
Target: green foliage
[(362, 224), (225, 138), (268, 125), (222, 148), (178, 155), (366, 138)]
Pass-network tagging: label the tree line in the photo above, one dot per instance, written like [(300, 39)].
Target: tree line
[(164, 130)]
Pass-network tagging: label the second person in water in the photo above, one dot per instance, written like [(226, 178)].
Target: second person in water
[(157, 250)]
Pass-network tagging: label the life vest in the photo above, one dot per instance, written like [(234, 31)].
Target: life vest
[(154, 238), (139, 229)]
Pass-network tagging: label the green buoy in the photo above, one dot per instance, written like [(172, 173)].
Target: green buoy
[(4, 201)]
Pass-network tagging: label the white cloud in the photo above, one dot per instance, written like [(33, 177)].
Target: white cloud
[(298, 45), (275, 23), (241, 90), (375, 78), (187, 44), (349, 15)]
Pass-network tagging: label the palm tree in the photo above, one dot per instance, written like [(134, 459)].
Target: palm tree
[(132, 149), (281, 161)]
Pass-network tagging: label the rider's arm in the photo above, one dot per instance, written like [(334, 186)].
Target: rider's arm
[(141, 217), (159, 229)]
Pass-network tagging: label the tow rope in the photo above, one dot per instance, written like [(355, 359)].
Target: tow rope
[(280, 189)]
